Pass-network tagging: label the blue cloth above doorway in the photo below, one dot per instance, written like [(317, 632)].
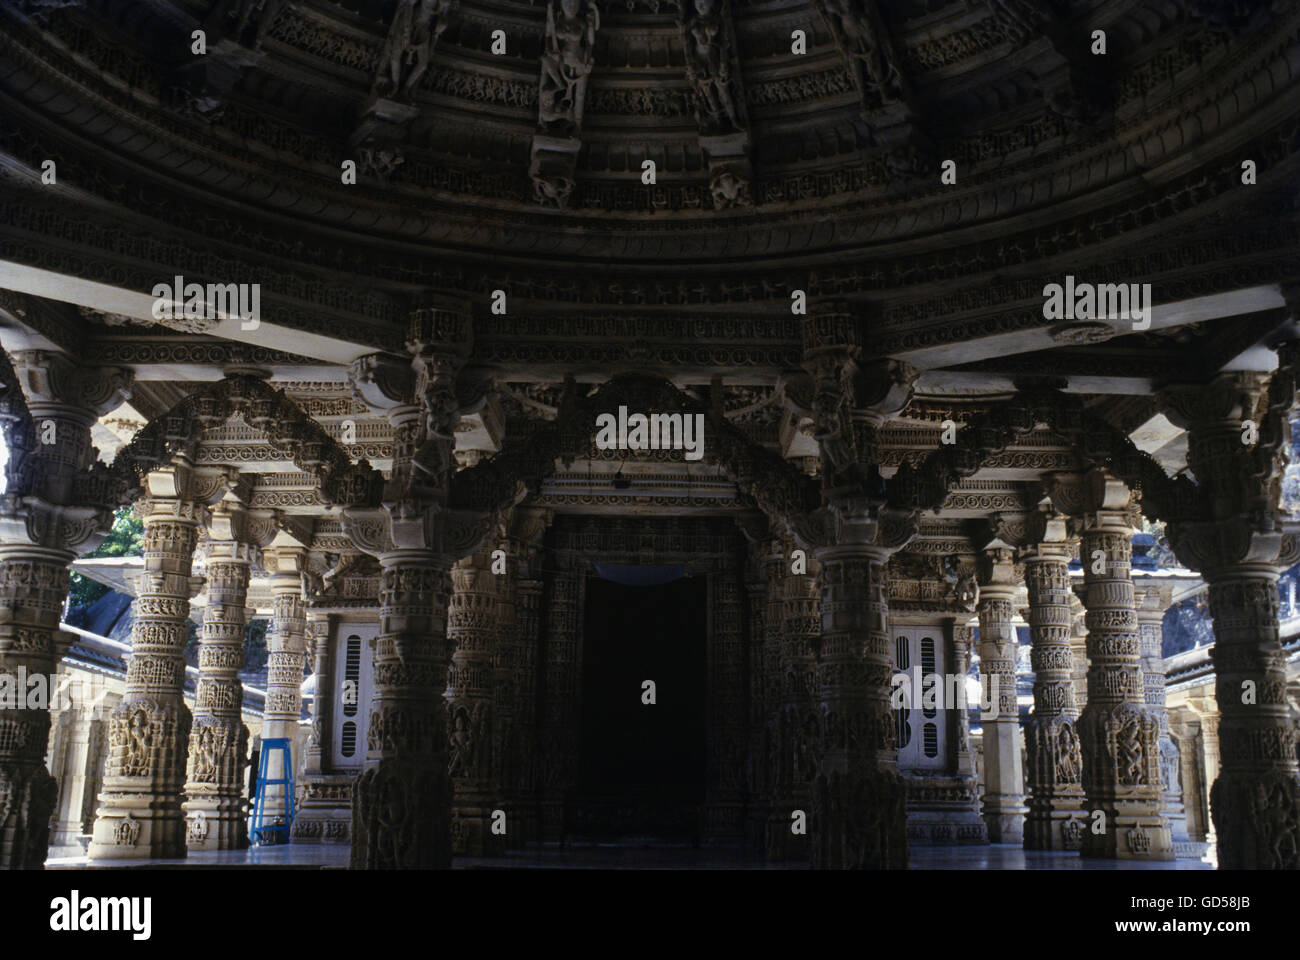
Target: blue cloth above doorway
[(638, 575)]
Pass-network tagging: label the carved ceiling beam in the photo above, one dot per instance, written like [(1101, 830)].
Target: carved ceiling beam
[(568, 56)]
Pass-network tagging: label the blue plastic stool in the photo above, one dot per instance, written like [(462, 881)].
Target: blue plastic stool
[(258, 833)]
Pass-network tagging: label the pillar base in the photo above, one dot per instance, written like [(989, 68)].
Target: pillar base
[(551, 821), (215, 821), (30, 796), (1056, 822), (1130, 837), (326, 812), (724, 823), (1257, 820), (137, 822), (943, 810), (1005, 827), (471, 827), (858, 820), (401, 815)]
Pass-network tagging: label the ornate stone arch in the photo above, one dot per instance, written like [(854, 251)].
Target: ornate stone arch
[(287, 428), (1096, 441), (778, 488)]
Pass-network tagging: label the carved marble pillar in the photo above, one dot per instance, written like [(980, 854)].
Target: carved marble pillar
[(76, 764), (324, 814), (724, 785), (760, 706), (796, 738), (1078, 650), (1055, 820), (1255, 797), (33, 585), (214, 785), (1185, 729), (1150, 601), (964, 760), (523, 739), (1004, 782), (526, 530), (52, 511), (140, 814), (401, 802), (475, 632), (1239, 546), (286, 655), (316, 630), (560, 677), (858, 818), (401, 810), (1119, 734), (768, 759), (859, 806)]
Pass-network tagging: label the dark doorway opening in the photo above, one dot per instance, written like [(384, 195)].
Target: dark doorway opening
[(642, 766)]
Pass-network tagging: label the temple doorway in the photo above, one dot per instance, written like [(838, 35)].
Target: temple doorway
[(642, 765)]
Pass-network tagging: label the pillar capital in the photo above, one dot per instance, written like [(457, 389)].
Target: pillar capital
[(58, 386), (1095, 500), (1226, 400), (383, 382)]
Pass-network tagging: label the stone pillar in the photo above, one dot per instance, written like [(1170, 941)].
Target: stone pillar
[(1150, 601), (79, 760), (33, 586), (963, 758), (859, 805), (53, 510), (767, 761), (1119, 734), (1055, 820), (759, 704), (523, 740), (316, 637), (1255, 799), (324, 814), (401, 810), (1078, 647), (560, 670), (723, 810), (475, 631), (797, 737), (1236, 540), (401, 802), (286, 655), (526, 530), (218, 749), (140, 814), (1185, 728), (1004, 782)]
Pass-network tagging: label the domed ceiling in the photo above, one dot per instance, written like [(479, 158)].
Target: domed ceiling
[(694, 158)]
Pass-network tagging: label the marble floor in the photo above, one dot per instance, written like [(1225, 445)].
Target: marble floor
[(616, 856)]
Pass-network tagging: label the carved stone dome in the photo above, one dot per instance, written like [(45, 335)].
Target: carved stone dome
[(501, 144)]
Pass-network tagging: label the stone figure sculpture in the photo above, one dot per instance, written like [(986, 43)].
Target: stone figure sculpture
[(460, 760), (568, 56), (861, 36), (252, 19), (1069, 756), (414, 32), (708, 68)]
